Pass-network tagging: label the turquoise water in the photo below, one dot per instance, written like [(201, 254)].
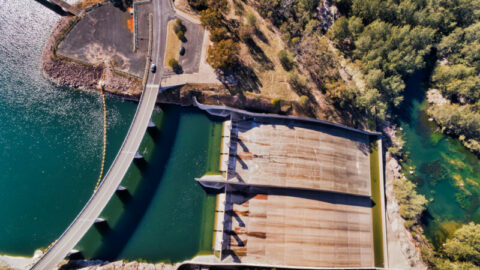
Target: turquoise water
[(51, 138), (445, 171)]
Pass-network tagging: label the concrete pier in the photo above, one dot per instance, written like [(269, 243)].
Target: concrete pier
[(138, 156)]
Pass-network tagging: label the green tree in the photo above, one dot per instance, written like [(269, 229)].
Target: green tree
[(411, 203), (465, 244)]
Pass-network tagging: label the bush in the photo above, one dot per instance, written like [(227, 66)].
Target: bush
[(285, 59), (173, 64), (303, 102), (181, 35), (276, 102), (252, 20), (297, 81), (179, 26)]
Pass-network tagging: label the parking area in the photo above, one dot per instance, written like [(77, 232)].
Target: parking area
[(106, 34)]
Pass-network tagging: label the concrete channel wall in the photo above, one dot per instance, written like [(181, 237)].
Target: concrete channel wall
[(224, 111)]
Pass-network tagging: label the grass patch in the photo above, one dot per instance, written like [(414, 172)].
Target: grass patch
[(173, 45), (377, 206)]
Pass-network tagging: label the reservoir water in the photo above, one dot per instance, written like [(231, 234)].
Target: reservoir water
[(51, 142), (444, 171)]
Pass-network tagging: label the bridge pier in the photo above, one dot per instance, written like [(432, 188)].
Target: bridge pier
[(123, 194), (101, 225), (151, 124), (74, 254), (138, 156)]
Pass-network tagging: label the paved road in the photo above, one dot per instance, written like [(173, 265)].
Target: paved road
[(162, 12)]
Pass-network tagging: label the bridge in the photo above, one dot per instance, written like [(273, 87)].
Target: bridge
[(162, 13), (59, 6)]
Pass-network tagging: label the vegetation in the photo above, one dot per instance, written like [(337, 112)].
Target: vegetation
[(179, 29), (457, 79), (411, 203), (223, 54), (286, 59), (465, 245), (174, 65)]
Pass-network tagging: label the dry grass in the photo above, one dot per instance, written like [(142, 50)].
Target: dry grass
[(264, 61), (173, 45)]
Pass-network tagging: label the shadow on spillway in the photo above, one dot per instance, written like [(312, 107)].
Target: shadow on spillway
[(136, 206)]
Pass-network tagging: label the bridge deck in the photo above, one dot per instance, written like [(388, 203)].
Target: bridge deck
[(68, 240), (112, 180), (66, 6)]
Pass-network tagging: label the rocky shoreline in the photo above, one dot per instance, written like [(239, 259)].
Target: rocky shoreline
[(70, 73)]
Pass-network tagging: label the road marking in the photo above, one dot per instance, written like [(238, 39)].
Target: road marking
[(155, 86)]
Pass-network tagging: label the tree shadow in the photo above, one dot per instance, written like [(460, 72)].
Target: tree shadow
[(245, 79), (259, 55), (261, 36)]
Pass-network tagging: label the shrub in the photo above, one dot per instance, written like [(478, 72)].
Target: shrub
[(173, 64), (303, 101), (179, 26), (252, 20), (297, 81), (276, 102), (285, 59)]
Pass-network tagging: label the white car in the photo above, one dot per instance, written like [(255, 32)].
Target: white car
[(153, 68)]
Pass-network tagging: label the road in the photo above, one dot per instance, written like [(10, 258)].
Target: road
[(162, 12)]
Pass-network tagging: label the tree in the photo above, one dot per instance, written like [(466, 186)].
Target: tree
[(221, 5), (341, 34), (219, 33), (465, 244), (223, 54), (211, 18), (411, 203)]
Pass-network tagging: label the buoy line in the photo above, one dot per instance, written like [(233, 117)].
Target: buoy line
[(104, 152)]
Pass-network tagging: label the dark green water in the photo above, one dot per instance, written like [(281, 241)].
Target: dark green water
[(168, 216), (445, 171)]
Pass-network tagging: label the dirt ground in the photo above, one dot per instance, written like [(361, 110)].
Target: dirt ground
[(105, 34)]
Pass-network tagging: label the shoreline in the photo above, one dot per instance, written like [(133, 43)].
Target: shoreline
[(15, 262)]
